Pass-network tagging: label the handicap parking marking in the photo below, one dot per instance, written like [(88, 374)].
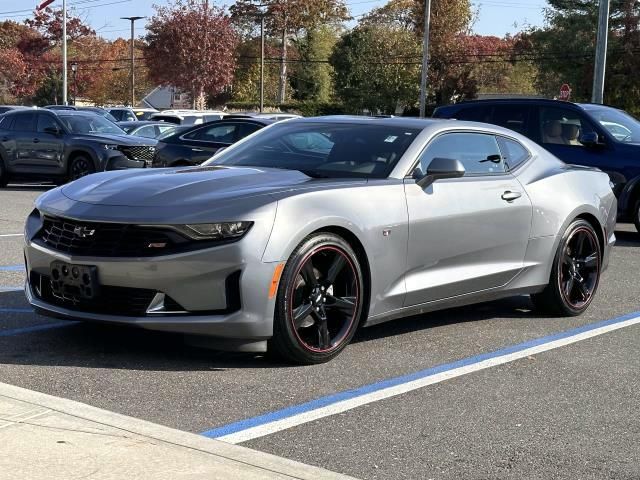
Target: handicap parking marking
[(36, 328), (293, 416), (11, 268)]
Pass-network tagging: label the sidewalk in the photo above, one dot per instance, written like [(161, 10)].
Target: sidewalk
[(45, 437)]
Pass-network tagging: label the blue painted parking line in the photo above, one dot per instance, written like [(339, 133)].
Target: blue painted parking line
[(16, 310), (11, 268), (36, 328), (333, 404)]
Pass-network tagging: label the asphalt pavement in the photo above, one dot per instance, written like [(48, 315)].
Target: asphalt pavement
[(570, 412)]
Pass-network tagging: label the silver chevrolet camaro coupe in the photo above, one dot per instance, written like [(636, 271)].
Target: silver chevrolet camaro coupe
[(297, 235)]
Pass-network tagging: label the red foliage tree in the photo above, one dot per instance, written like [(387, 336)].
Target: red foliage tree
[(191, 46)]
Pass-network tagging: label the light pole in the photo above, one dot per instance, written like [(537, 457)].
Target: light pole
[(133, 58), (74, 69)]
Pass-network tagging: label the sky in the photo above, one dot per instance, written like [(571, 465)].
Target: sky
[(494, 17)]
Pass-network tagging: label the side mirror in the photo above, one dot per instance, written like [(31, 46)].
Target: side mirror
[(590, 139), (52, 130), (439, 169)]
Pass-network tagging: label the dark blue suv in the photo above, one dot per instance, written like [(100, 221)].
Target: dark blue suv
[(582, 134)]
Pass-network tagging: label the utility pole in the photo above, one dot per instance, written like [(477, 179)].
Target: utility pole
[(133, 57), (261, 62), (64, 52), (597, 96), (425, 59)]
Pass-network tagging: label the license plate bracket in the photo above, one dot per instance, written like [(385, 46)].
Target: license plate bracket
[(74, 282)]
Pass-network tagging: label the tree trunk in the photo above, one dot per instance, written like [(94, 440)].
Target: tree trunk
[(282, 90)]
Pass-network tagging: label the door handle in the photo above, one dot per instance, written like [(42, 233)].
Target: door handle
[(511, 196), (197, 150), (36, 140)]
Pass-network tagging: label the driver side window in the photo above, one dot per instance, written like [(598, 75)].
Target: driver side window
[(478, 152)]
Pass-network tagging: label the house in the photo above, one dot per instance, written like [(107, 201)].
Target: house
[(163, 98)]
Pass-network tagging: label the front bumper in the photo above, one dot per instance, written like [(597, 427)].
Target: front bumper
[(197, 281)]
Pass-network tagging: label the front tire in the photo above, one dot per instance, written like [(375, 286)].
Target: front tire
[(575, 274), (319, 302), (79, 167)]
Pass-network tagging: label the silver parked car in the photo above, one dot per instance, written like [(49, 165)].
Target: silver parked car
[(297, 235)]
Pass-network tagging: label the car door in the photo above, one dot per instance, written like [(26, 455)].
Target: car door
[(207, 140), (23, 132), (559, 129), (7, 141), (48, 147), (465, 234)]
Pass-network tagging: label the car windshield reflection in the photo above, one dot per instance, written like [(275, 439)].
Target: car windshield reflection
[(324, 150)]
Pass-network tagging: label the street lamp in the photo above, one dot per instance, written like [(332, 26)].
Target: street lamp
[(74, 69), (133, 58)]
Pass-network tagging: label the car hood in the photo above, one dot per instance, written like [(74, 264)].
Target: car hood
[(160, 187), (124, 139)]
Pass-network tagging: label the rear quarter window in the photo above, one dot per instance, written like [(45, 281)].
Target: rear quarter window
[(513, 152)]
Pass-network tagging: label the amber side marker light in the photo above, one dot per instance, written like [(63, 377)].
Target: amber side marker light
[(273, 288)]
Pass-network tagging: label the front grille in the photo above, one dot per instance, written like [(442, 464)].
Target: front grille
[(109, 239), (124, 301), (145, 152)]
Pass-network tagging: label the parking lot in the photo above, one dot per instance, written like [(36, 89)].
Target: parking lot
[(571, 411)]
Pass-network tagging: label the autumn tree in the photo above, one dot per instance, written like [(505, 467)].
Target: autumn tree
[(286, 18), (564, 51), (191, 45), (375, 68), (246, 84), (312, 75)]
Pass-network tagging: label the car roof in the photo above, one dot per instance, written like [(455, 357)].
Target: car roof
[(140, 123), (403, 122)]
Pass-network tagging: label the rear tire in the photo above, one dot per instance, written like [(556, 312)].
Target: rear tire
[(79, 167), (319, 302), (575, 274), (4, 177), (636, 216)]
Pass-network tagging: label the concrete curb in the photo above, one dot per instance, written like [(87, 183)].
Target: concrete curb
[(271, 465)]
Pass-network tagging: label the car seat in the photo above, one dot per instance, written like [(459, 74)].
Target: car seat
[(553, 132)]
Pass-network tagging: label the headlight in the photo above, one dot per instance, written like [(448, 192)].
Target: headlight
[(215, 231), (110, 147)]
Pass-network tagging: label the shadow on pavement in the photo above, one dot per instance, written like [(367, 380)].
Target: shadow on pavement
[(627, 239), (91, 345)]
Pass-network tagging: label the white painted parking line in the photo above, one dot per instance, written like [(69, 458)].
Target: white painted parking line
[(11, 235), (273, 422)]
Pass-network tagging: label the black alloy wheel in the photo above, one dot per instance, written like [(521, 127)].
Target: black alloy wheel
[(319, 301), (576, 272), (80, 166)]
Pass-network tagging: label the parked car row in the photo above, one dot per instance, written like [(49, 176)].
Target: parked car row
[(63, 145), (580, 134)]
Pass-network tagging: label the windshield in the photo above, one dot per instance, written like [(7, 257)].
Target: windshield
[(324, 150), (90, 124), (621, 125)]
